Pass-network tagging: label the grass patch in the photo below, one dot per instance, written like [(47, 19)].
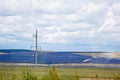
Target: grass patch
[(39, 73)]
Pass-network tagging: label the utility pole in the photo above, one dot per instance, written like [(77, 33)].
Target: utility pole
[(36, 46)]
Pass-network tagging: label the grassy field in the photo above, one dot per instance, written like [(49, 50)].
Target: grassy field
[(16, 73)]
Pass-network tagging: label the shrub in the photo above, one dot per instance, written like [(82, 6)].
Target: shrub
[(97, 77), (14, 77), (76, 77), (27, 75), (116, 76), (52, 75)]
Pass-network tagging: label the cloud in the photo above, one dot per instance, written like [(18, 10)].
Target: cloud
[(46, 6), (12, 7), (116, 8), (109, 30), (93, 24), (10, 19)]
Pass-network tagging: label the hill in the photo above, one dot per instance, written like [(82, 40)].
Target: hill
[(46, 57)]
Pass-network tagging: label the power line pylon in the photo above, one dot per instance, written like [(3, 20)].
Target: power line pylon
[(36, 47)]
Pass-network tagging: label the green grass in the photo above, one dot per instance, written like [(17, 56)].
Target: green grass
[(17, 73)]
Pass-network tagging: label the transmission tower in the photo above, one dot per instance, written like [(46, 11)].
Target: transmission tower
[(36, 47)]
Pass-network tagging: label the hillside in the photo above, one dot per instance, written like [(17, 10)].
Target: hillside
[(28, 56)]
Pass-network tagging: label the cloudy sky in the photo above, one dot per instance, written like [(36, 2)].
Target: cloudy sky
[(63, 25)]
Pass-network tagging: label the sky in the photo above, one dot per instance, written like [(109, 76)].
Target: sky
[(63, 25)]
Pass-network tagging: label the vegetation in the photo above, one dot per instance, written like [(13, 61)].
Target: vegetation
[(39, 73), (117, 76), (52, 75), (27, 75)]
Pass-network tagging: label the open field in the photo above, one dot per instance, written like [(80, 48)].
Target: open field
[(10, 73)]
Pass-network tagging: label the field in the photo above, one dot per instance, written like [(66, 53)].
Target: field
[(17, 73)]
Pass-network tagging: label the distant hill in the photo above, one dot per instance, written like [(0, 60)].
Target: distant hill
[(14, 50), (46, 57)]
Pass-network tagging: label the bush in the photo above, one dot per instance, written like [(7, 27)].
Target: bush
[(116, 76), (27, 75), (52, 75), (76, 77), (97, 77), (14, 77)]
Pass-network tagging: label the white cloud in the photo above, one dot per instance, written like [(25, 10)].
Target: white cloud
[(109, 30), (61, 21), (116, 8), (89, 13), (8, 40), (65, 34), (50, 17), (46, 5), (10, 19), (10, 7)]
